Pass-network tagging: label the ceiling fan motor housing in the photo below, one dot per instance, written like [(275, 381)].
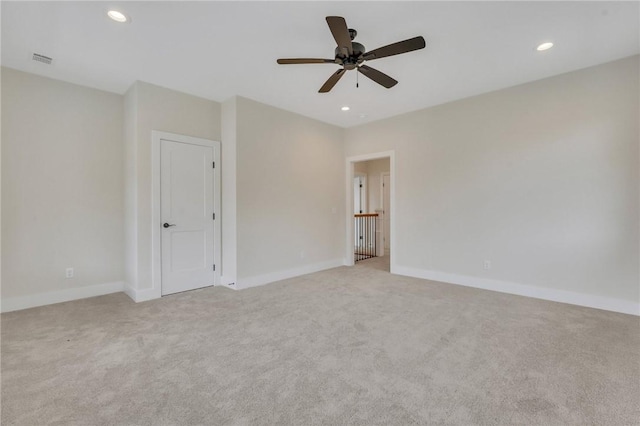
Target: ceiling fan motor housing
[(352, 61)]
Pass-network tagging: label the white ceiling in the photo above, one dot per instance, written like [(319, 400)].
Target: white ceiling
[(220, 49)]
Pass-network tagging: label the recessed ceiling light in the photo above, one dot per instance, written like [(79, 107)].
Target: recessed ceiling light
[(117, 16), (345, 108), (544, 46)]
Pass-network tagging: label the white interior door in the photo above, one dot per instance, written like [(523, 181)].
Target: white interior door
[(187, 216), (386, 207)]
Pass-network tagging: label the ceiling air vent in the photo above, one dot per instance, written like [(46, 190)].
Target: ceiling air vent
[(41, 58)]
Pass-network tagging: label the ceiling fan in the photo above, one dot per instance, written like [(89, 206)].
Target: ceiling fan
[(351, 55)]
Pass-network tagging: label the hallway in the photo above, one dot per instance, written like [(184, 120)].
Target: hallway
[(381, 263)]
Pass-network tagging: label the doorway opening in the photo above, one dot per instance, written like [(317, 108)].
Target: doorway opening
[(370, 211)]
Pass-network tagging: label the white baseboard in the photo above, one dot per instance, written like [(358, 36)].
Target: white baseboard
[(24, 302), (228, 282), (555, 295), (129, 291), (288, 273), (140, 295)]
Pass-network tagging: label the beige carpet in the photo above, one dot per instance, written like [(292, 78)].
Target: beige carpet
[(344, 346)]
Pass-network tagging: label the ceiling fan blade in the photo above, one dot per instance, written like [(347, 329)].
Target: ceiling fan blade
[(377, 76), (338, 27), (404, 46), (306, 61), (328, 85)]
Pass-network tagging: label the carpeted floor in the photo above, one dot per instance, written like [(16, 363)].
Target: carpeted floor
[(344, 346)]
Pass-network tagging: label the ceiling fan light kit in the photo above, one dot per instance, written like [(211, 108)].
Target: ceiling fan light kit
[(351, 55)]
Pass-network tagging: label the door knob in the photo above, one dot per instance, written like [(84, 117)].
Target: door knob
[(166, 225)]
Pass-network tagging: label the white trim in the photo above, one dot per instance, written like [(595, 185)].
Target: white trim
[(555, 295), (391, 155), (130, 291), (382, 175), (228, 282), (156, 258), (259, 280), (41, 299), (139, 295), (228, 156)]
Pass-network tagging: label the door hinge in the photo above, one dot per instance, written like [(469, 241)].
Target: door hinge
[(360, 185), (214, 267), (214, 164), (214, 216)]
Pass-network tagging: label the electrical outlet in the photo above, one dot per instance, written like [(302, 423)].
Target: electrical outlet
[(487, 265), (69, 273)]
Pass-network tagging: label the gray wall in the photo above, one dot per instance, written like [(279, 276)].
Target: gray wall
[(541, 179), (62, 185), (290, 177)]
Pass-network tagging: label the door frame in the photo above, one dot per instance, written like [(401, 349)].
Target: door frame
[(382, 175), (156, 219), (350, 174)]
